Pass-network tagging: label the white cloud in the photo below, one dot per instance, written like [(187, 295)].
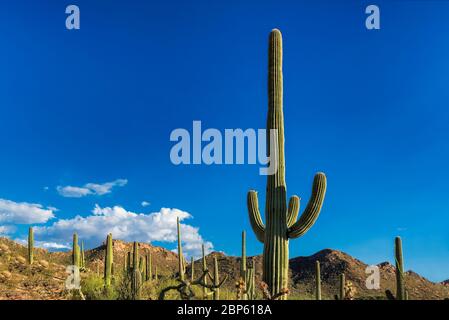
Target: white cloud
[(145, 203), (90, 189), (128, 226), (4, 230), (23, 212), (53, 246)]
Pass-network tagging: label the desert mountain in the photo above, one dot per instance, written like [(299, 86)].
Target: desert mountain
[(45, 278)]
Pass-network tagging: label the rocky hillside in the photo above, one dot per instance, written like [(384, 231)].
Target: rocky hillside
[(45, 278)]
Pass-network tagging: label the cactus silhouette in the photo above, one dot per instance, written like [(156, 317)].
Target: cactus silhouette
[(30, 245), (280, 221)]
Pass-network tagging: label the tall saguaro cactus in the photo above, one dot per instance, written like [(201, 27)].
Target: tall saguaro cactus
[(216, 280), (205, 294), (401, 293), (108, 261), (148, 264), (317, 281), (30, 245), (82, 257), (136, 276), (75, 251), (181, 263), (280, 220)]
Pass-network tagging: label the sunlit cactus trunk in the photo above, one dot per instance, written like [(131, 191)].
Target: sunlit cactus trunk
[(342, 287), (75, 251), (205, 295), (216, 295), (149, 272), (181, 263), (136, 276), (30, 245), (108, 261), (243, 269), (400, 286), (280, 221)]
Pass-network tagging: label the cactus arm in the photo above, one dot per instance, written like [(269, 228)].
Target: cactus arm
[(293, 210), (254, 215), (312, 210)]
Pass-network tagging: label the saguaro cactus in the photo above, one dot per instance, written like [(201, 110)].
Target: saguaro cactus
[(317, 281), (82, 257), (401, 293), (181, 263), (30, 245), (192, 269), (243, 270), (250, 283), (281, 224), (205, 294), (149, 272), (108, 261), (216, 280), (342, 294), (136, 276), (75, 251)]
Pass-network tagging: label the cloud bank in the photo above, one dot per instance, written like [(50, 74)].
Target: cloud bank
[(24, 212), (90, 189), (128, 226)]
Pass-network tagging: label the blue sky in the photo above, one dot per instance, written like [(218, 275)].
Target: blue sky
[(369, 108)]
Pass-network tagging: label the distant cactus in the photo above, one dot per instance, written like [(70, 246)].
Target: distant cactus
[(181, 265), (192, 269), (205, 293), (30, 245), (108, 261), (342, 282), (216, 281), (148, 272), (75, 251), (136, 276), (317, 281), (82, 257), (401, 292), (281, 224), (243, 274)]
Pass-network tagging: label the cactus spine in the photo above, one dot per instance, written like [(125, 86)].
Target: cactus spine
[(75, 251), (30, 245), (181, 263), (136, 276), (317, 281), (108, 261), (281, 224)]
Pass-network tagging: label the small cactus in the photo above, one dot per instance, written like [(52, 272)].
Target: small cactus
[(30, 245), (216, 281), (342, 282), (82, 258)]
